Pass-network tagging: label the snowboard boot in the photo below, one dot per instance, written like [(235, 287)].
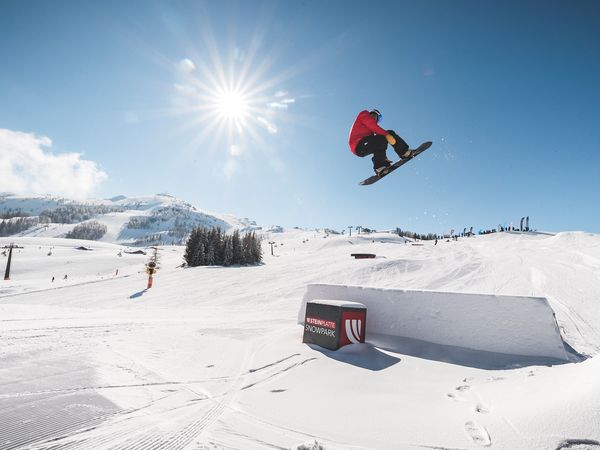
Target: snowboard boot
[(400, 147), (407, 154), (380, 171)]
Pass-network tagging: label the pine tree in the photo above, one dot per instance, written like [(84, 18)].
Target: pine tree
[(200, 255), (236, 248), (227, 251), (191, 248), (219, 247), (247, 249), (209, 247), (256, 249)]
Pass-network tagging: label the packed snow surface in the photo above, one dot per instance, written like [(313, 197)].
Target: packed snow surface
[(211, 357)]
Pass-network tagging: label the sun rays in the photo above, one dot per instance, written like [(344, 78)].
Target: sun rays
[(230, 100), (228, 96)]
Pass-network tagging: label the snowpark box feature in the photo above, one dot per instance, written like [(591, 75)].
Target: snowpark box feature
[(499, 324), (332, 324)]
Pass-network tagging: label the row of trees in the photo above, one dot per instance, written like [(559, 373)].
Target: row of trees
[(13, 221), (413, 235), (176, 223), (151, 239), (9, 227), (10, 213), (88, 230), (211, 247), (76, 213), (141, 222)]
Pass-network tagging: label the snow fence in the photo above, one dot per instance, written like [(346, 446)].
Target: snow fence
[(504, 324)]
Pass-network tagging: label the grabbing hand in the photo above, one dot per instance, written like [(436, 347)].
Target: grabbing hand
[(391, 139)]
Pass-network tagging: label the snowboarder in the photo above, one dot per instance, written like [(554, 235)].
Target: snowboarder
[(368, 138)]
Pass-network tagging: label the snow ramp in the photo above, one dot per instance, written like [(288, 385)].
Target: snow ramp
[(510, 325)]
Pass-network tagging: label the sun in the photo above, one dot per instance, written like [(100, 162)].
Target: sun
[(231, 101), (232, 105), (227, 104)]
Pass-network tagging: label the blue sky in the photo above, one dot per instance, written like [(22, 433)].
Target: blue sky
[(509, 92)]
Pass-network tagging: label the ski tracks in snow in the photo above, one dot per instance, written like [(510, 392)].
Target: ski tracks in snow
[(61, 401), (278, 371), (176, 420), (172, 421)]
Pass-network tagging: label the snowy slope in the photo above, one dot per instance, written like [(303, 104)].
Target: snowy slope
[(212, 357), (161, 219)]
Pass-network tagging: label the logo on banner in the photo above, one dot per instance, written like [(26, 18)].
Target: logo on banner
[(354, 329)]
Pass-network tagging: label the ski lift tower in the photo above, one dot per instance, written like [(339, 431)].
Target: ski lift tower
[(10, 249)]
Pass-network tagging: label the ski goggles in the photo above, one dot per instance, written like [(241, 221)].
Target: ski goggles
[(379, 115)]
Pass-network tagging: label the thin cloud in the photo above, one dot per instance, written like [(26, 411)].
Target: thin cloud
[(278, 105), (281, 103), (270, 127), (27, 167), (186, 90)]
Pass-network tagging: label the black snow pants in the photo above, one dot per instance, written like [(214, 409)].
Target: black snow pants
[(376, 145)]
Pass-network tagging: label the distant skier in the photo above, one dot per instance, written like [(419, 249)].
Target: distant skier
[(368, 138)]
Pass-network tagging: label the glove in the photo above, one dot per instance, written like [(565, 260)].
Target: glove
[(391, 140)]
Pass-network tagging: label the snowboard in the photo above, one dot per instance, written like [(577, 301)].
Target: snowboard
[(420, 149)]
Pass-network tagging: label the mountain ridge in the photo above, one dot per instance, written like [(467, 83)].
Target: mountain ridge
[(144, 220)]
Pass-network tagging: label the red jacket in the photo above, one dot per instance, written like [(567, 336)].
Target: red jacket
[(364, 125)]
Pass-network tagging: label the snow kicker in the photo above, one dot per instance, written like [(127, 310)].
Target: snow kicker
[(503, 324)]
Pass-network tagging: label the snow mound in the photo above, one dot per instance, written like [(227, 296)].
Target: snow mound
[(571, 238), (503, 324)]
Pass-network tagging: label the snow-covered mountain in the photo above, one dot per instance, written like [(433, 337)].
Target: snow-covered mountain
[(155, 219)]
